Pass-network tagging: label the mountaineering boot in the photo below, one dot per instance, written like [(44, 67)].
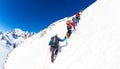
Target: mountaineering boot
[(52, 59)]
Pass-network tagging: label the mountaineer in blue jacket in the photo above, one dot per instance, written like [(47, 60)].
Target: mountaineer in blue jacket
[(54, 43)]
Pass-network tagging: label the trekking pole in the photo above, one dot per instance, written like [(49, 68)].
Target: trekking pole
[(66, 42)]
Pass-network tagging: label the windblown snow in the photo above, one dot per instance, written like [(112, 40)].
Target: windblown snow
[(94, 45)]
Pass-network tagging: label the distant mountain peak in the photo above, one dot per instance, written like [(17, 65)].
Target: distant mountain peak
[(17, 30), (14, 38)]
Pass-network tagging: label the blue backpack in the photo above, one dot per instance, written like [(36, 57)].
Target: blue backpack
[(54, 41)]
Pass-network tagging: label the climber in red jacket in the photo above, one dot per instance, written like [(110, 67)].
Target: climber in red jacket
[(70, 25)]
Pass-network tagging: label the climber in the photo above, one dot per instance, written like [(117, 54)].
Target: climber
[(77, 15), (69, 28), (74, 21), (54, 46)]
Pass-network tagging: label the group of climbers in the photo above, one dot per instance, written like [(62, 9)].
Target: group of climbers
[(54, 42), (72, 24)]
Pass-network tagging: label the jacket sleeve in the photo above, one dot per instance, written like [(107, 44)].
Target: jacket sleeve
[(62, 39), (50, 42)]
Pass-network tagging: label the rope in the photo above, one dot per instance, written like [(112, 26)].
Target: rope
[(45, 61)]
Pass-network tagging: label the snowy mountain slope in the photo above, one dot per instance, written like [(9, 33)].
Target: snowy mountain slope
[(40, 44), (3, 54), (94, 45), (9, 40)]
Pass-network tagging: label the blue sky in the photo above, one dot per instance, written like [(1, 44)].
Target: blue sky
[(35, 15)]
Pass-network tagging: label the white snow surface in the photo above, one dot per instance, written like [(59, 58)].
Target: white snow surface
[(3, 56), (94, 45)]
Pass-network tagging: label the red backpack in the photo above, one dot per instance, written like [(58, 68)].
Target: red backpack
[(77, 14)]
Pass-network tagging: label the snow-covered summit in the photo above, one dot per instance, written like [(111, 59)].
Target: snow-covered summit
[(12, 39)]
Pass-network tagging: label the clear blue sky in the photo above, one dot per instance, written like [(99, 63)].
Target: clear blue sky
[(35, 15)]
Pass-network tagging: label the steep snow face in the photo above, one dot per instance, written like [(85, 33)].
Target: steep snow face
[(94, 45)]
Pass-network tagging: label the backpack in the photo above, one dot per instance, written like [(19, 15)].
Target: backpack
[(77, 14), (54, 41), (69, 27), (73, 19)]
